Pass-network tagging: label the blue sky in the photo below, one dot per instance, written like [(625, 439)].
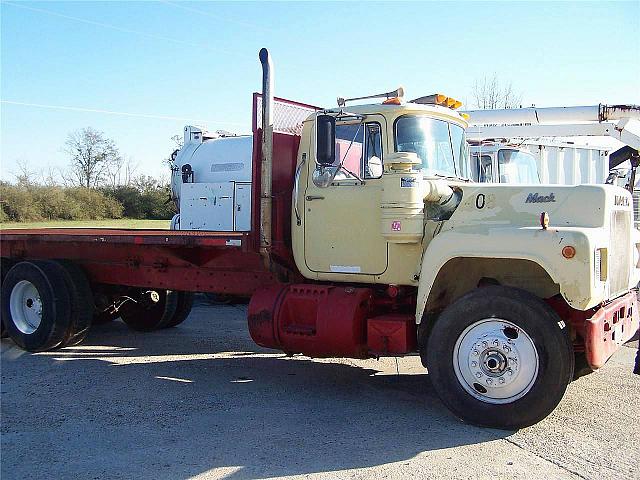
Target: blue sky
[(198, 61)]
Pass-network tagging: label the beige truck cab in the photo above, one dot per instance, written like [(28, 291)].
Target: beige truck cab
[(515, 289)]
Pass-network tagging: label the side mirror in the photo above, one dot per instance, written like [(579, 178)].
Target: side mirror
[(325, 140)]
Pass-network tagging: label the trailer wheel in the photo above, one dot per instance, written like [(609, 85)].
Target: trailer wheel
[(5, 266), (35, 305), (81, 303), (183, 308), (146, 316), (500, 357), (100, 318)]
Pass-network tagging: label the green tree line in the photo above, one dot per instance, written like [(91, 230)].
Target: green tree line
[(22, 203), (99, 184)]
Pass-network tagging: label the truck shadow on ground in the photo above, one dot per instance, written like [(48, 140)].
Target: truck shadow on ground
[(182, 403)]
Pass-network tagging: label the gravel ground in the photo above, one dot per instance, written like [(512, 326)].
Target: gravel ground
[(203, 401)]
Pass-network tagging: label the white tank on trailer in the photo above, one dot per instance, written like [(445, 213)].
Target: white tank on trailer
[(211, 181)]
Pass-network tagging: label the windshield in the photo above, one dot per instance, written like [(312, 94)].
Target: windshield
[(516, 166), (441, 146)]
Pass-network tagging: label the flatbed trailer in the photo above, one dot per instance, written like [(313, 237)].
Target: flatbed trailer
[(172, 260)]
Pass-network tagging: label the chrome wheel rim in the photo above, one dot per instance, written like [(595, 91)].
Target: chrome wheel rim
[(25, 306), (495, 361)]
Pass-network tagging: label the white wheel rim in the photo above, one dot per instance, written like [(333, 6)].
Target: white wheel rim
[(495, 361), (25, 307)]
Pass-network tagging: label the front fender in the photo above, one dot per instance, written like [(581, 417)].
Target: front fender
[(574, 276)]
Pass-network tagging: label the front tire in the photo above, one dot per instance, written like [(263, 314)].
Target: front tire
[(500, 357)]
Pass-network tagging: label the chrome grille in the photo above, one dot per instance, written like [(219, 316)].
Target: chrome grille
[(620, 253)]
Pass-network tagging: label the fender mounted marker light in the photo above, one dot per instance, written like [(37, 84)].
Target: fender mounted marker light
[(544, 220), (569, 252)]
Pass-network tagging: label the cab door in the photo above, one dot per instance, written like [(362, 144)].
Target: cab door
[(342, 220)]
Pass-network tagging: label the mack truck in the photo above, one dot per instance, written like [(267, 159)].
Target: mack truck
[(354, 234)]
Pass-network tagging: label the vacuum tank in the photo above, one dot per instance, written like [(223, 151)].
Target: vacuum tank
[(211, 182)]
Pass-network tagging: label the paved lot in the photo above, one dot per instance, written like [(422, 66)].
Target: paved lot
[(203, 401)]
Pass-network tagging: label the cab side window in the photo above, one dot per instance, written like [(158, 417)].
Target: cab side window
[(359, 149), (485, 168)]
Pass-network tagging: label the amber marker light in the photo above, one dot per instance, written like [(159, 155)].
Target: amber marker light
[(544, 220), (569, 251)]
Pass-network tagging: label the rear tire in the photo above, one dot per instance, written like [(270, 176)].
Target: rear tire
[(5, 266), (82, 306), (36, 306), (144, 318), (183, 309), (500, 357)]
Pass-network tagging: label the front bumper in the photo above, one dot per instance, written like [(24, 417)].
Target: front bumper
[(609, 327)]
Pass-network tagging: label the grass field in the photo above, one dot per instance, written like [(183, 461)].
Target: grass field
[(119, 223)]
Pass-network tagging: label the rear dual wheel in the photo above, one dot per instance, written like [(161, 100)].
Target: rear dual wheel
[(155, 309), (5, 266), (46, 304), (36, 305)]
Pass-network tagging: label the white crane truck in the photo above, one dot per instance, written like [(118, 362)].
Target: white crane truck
[(358, 238)]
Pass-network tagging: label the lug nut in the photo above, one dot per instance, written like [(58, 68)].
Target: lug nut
[(479, 375)]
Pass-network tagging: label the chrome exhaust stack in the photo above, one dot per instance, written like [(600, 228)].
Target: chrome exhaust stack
[(267, 155)]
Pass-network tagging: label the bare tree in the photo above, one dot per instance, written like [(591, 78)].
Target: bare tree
[(178, 142), (94, 157), (25, 176), (130, 169), (52, 176), (489, 93)]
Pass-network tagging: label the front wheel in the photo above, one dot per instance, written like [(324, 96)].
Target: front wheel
[(500, 357)]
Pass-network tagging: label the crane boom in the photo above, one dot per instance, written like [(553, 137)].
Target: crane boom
[(554, 115), (621, 122)]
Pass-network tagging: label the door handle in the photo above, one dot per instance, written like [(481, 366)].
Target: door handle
[(314, 197)]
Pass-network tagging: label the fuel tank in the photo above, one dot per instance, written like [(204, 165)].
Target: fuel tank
[(315, 320)]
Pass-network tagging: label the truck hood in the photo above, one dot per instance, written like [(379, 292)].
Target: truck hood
[(587, 206)]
